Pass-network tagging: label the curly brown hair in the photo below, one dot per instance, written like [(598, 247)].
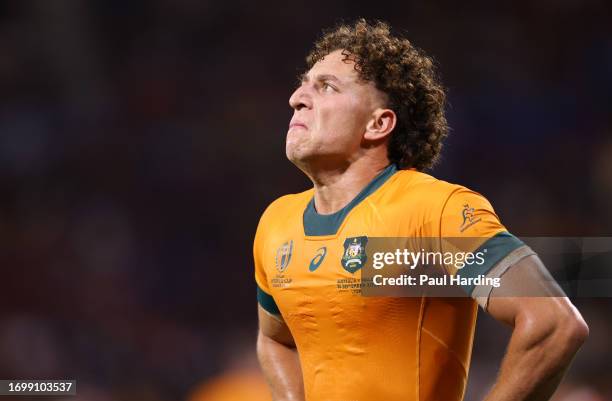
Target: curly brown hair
[(406, 74)]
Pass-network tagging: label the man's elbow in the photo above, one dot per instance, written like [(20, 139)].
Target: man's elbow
[(578, 331), (572, 330), (554, 326)]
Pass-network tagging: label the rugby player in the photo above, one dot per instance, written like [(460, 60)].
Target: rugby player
[(368, 120)]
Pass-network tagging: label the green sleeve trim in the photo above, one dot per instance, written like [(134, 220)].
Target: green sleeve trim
[(497, 248), (267, 302)]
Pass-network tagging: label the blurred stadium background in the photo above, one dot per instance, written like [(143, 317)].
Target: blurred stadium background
[(140, 141)]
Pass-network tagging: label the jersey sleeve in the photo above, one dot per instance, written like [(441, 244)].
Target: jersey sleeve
[(469, 224), (469, 214), (264, 297)]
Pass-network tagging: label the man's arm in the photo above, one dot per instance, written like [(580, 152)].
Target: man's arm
[(547, 332), (279, 358)]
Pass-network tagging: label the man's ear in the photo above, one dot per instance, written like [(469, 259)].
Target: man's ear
[(380, 125)]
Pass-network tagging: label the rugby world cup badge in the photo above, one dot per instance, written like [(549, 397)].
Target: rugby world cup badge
[(283, 256), (354, 257)]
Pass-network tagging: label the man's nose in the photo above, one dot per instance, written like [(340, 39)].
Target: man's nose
[(300, 98)]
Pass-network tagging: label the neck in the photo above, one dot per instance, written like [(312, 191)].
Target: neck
[(335, 188)]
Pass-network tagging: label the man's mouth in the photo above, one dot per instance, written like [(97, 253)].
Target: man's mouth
[(296, 124)]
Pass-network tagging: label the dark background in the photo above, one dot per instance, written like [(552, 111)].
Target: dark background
[(140, 142)]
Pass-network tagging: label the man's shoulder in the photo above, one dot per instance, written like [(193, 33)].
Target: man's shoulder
[(432, 188), (417, 184), (434, 197)]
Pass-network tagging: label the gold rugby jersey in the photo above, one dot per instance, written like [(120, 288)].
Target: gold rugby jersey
[(356, 348)]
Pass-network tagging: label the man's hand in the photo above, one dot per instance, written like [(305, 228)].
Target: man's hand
[(279, 358), (547, 332)]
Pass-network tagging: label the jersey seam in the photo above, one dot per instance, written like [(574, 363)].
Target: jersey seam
[(450, 350), (442, 211), (418, 353), (375, 210), (439, 236)]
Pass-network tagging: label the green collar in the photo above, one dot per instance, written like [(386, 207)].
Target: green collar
[(316, 224)]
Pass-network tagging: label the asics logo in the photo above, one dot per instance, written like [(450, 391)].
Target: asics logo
[(318, 259)]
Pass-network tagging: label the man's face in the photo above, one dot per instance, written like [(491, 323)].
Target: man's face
[(332, 107)]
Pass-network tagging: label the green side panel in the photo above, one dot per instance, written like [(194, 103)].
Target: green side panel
[(316, 224), (267, 302), (498, 247)]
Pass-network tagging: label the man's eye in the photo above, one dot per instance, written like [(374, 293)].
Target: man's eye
[(327, 87)]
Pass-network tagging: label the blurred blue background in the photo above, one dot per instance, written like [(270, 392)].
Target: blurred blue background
[(140, 142)]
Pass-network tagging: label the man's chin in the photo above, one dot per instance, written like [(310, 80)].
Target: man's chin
[(299, 157), (295, 157)]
